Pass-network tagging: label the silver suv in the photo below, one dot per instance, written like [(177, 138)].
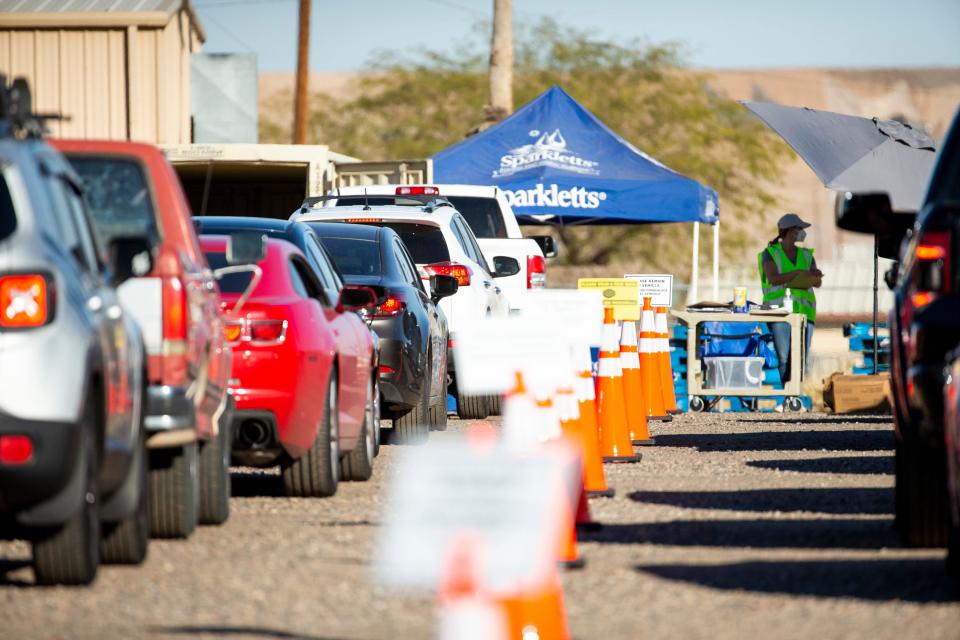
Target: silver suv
[(72, 471)]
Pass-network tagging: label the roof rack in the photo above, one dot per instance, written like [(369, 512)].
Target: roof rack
[(429, 203), (17, 119)]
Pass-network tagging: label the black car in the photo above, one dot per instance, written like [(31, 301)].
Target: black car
[(410, 324), (924, 328)]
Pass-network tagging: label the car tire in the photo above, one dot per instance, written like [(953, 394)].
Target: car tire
[(357, 466), (920, 494), (438, 415), (377, 414), (214, 507), (317, 473), (493, 404), (472, 407), (127, 541), (953, 552), (70, 553), (174, 491), (413, 427)]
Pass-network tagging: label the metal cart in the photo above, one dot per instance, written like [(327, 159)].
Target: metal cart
[(792, 390)]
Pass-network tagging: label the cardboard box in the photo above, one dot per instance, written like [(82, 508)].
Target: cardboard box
[(847, 393)]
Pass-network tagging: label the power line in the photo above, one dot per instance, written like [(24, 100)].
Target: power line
[(243, 43), (230, 3), (460, 7)]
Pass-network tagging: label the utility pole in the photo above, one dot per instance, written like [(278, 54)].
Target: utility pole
[(303, 64), (501, 62)]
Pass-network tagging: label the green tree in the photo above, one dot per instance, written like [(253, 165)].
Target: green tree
[(414, 106)]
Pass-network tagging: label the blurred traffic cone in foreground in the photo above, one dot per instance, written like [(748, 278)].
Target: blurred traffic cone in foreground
[(464, 613), (633, 393), (521, 419), (650, 365), (666, 369), (537, 614), (594, 480), (612, 412)]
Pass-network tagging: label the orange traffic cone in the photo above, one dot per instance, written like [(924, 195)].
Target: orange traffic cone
[(649, 364), (666, 369), (612, 412), (633, 394), (594, 480), (584, 518), (537, 613), (465, 611)]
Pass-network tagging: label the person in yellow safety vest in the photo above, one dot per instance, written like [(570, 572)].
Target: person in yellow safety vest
[(779, 263)]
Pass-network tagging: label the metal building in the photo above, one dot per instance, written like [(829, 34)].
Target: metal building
[(119, 69)]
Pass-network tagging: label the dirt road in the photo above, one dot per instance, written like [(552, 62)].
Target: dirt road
[(732, 526)]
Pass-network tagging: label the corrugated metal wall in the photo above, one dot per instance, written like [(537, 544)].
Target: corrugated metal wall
[(131, 83)]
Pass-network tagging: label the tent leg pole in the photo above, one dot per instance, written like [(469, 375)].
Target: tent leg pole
[(693, 294), (876, 301), (716, 260)]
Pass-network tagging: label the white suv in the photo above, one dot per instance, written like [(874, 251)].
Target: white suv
[(440, 242)]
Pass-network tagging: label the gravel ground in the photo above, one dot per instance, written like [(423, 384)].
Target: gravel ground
[(732, 526)]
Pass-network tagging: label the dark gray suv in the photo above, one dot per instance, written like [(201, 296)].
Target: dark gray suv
[(72, 469)]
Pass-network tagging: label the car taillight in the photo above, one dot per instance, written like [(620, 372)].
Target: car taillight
[(267, 331), (933, 258), (25, 301), (417, 191), (174, 309), (536, 272), (233, 330), (922, 299), (15, 449), (386, 370), (459, 271), (390, 307)]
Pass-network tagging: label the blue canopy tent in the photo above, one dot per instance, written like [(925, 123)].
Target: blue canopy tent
[(557, 163)]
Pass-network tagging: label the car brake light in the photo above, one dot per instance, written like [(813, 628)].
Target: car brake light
[(234, 329), (922, 299), (930, 252), (390, 307), (15, 449), (933, 254), (417, 191), (174, 309), (387, 370), (24, 301), (459, 271), (267, 330), (536, 272), (361, 220)]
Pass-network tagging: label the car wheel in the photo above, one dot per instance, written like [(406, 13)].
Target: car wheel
[(317, 472), (70, 553), (126, 541), (358, 464), (174, 491), (472, 407), (920, 494), (493, 404), (413, 427), (377, 414), (438, 415), (214, 505), (953, 551)]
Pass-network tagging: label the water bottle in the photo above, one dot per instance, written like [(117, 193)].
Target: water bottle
[(788, 301)]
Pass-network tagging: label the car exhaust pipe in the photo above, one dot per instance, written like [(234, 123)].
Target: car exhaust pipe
[(254, 434)]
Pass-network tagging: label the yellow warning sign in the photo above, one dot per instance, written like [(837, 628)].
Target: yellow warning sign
[(620, 293)]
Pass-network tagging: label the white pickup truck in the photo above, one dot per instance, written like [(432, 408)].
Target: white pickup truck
[(491, 219)]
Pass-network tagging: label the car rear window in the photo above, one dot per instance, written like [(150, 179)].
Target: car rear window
[(482, 214), (119, 199), (8, 217), (231, 283), (354, 256), (424, 242)]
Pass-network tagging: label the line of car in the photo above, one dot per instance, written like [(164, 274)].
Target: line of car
[(144, 351)]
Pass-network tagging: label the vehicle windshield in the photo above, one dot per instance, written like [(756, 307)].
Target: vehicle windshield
[(8, 217), (482, 214), (945, 181), (116, 190), (232, 283), (354, 256), (424, 242)]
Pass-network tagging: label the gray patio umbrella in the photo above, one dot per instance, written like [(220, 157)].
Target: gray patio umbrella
[(860, 155)]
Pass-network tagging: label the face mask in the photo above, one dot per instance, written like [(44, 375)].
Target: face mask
[(801, 235)]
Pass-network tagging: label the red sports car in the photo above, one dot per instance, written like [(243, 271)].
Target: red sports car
[(304, 371)]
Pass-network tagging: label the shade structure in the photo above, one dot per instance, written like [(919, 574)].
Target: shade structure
[(860, 155), (557, 163)]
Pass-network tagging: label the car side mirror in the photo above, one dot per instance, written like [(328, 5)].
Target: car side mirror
[(548, 244), (504, 266), (356, 298), (245, 247), (129, 257), (442, 287)]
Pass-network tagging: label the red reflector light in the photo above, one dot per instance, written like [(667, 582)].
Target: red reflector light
[(390, 307), (174, 309), (15, 449), (267, 330), (450, 343), (930, 252), (417, 191), (536, 272), (922, 299), (385, 369), (459, 271), (361, 220), (23, 301), (234, 329)]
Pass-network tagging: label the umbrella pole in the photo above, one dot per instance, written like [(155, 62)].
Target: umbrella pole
[(693, 293), (716, 260), (876, 295)]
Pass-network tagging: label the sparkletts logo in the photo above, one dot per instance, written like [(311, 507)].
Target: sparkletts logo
[(547, 150)]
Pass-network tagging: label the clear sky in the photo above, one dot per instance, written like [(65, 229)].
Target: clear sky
[(715, 33)]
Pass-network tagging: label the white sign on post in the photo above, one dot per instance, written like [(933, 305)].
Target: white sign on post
[(657, 286), (506, 510), (576, 312)]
